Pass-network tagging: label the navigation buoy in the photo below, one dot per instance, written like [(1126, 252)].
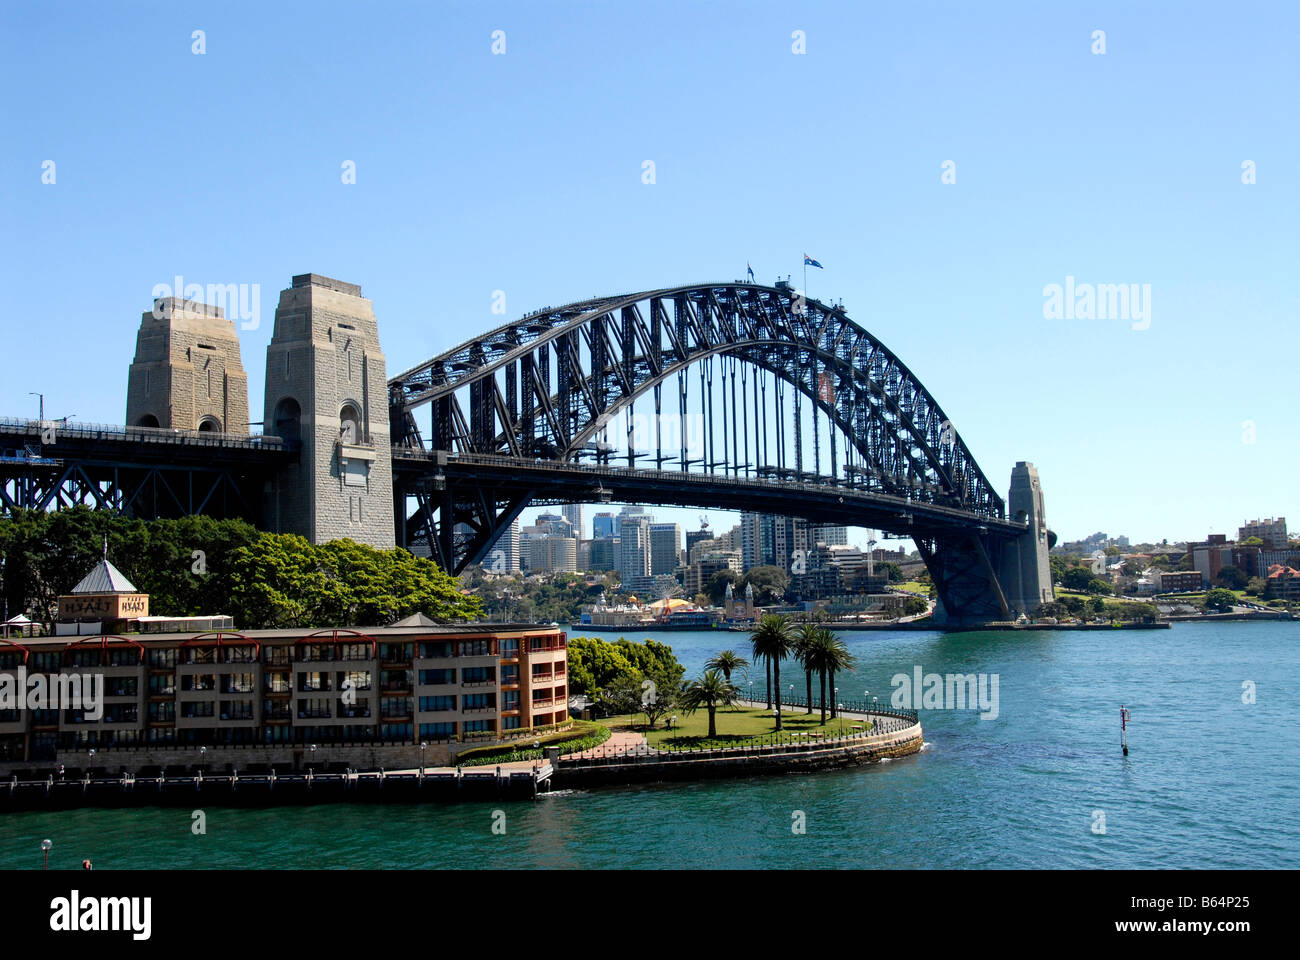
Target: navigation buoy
[(1124, 718)]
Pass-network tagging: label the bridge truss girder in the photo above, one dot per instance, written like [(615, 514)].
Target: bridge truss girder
[(144, 491), (547, 384)]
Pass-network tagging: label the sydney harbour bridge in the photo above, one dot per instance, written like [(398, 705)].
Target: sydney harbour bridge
[(734, 396)]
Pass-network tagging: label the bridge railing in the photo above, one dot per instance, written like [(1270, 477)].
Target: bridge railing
[(159, 435), (709, 479)]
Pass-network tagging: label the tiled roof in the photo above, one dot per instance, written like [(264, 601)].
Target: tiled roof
[(105, 578)]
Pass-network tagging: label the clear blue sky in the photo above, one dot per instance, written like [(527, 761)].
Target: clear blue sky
[(522, 173)]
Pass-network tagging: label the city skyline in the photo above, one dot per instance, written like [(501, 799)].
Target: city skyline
[(1018, 216)]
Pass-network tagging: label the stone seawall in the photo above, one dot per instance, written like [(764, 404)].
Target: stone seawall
[(708, 765)]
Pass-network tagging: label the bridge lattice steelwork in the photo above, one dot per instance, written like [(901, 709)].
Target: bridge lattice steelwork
[(798, 411)]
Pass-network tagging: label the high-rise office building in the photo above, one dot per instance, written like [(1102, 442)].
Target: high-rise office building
[(573, 513), (634, 548), (604, 525), (665, 547)]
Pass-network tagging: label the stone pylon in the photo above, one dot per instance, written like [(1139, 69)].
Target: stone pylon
[(1024, 572), (187, 373), (327, 394)]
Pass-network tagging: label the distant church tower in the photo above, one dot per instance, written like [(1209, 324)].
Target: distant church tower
[(187, 373), (327, 392)]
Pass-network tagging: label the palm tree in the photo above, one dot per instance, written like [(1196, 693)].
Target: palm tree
[(838, 658), (771, 639), (820, 654), (804, 639), (726, 661), (710, 691)]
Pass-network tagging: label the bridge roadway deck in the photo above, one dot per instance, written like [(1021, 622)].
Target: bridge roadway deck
[(108, 445), (824, 502)]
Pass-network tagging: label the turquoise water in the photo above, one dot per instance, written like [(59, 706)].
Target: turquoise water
[(1209, 782)]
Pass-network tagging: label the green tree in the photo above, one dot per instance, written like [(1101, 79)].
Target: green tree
[(769, 583), (914, 607), (1220, 599), (710, 691), (771, 640), (718, 586), (805, 636), (1098, 585), (595, 664), (727, 661), (837, 659)]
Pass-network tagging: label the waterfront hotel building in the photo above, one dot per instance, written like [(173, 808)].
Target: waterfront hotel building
[(168, 694)]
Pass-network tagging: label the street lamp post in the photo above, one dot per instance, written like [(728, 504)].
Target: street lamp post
[(841, 711), (310, 767), (45, 854), (423, 746)]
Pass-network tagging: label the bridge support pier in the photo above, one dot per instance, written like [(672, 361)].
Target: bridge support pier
[(981, 577)]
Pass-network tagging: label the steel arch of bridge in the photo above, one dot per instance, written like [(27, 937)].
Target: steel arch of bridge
[(540, 388)]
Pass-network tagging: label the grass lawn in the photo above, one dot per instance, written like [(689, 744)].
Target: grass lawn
[(914, 586), (735, 727)]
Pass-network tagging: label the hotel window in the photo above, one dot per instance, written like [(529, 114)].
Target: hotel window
[(395, 652), (237, 683), (280, 734), (46, 662), (199, 681), (475, 648), (510, 673), (85, 658), (277, 656), (477, 675), (479, 701), (390, 707), (512, 723), (355, 651), (435, 650), (510, 648), (541, 670), (277, 683), (161, 735), (437, 704), (437, 677), (236, 709), (193, 711), (162, 684), (396, 731), (121, 686), (242, 654), (510, 700), (313, 709), (438, 731), (360, 679), (480, 726), (313, 681)]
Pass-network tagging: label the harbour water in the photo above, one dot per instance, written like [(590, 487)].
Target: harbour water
[(1210, 780)]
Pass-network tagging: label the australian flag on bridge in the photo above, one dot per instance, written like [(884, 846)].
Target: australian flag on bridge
[(810, 262)]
